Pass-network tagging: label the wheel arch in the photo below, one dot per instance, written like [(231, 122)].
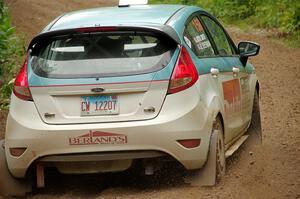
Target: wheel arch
[(218, 111), (222, 120), (219, 115)]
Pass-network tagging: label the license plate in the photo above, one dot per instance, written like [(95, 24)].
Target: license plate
[(99, 105)]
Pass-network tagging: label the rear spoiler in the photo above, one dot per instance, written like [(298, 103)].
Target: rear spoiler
[(161, 29)]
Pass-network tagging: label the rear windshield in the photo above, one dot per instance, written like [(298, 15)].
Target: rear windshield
[(102, 55)]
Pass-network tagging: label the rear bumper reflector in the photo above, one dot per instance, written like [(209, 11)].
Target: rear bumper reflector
[(17, 152), (190, 143)]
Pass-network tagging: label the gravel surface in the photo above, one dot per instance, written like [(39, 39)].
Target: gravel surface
[(268, 171)]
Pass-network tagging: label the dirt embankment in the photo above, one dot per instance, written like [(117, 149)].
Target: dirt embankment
[(31, 16), (272, 171)]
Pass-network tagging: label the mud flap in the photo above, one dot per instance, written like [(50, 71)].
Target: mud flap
[(255, 130), (255, 133), (206, 176), (10, 186)]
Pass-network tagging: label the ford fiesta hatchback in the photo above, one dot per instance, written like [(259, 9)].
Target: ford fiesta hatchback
[(105, 87)]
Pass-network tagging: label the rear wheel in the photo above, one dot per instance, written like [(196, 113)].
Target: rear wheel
[(220, 149)]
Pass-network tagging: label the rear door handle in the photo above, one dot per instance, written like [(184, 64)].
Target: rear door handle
[(235, 71), (214, 71)]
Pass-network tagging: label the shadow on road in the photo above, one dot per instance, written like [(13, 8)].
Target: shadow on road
[(92, 185)]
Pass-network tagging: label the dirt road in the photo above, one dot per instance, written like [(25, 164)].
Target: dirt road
[(273, 171)]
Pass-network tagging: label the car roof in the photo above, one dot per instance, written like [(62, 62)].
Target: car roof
[(116, 16)]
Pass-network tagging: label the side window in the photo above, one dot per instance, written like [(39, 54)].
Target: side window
[(196, 38), (223, 45)]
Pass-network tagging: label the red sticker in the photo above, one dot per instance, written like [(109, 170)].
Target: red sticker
[(232, 96)]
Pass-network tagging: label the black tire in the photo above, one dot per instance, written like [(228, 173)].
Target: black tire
[(220, 159), (255, 130)]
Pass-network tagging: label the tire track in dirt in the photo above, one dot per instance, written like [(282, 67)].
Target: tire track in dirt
[(271, 172)]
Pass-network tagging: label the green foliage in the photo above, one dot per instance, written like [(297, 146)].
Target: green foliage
[(10, 52), (282, 15), (5, 92)]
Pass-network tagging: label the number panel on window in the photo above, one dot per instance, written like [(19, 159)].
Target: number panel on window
[(196, 38)]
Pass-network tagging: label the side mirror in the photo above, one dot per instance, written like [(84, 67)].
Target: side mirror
[(247, 49)]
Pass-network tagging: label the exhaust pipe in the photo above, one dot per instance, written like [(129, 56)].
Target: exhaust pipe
[(149, 169)]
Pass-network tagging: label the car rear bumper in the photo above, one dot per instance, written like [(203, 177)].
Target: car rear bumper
[(174, 122)]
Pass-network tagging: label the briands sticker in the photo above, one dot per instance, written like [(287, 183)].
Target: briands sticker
[(98, 137)]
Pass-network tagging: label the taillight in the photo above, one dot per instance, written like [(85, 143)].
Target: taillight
[(185, 73), (21, 87)]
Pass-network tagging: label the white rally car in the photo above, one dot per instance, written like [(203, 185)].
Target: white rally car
[(102, 88)]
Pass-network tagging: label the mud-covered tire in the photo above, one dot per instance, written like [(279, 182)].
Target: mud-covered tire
[(220, 149), (10, 186), (255, 130)]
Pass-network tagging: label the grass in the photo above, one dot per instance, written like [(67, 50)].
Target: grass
[(282, 17), (11, 52)]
